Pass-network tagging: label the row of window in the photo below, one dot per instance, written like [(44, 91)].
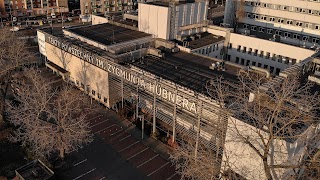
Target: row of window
[(92, 92), (245, 62), (283, 21), (262, 54), (284, 8), (284, 34), (208, 50)]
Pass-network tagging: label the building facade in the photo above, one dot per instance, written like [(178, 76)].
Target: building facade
[(295, 22), (105, 7), (172, 19), (32, 7)]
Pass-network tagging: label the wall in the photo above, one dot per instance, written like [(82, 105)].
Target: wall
[(242, 158), (215, 50), (276, 48), (81, 71), (98, 19), (189, 14), (154, 20), (219, 31)]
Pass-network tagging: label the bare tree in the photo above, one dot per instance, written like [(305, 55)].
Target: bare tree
[(13, 54), (194, 163), (267, 122), (237, 13), (49, 119), (271, 131)]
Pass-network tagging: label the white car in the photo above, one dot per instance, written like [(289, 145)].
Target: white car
[(15, 28), (69, 19), (64, 27)]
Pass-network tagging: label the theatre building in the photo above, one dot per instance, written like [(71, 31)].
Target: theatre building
[(120, 67), (152, 79)]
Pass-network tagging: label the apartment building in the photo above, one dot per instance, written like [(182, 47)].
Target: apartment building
[(105, 6), (295, 22), (32, 7)]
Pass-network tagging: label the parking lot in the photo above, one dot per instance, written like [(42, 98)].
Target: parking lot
[(117, 153)]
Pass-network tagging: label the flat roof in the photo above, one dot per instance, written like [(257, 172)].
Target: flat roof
[(108, 33), (206, 39), (186, 69), (166, 3)]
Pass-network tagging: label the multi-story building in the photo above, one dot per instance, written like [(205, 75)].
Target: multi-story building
[(173, 19), (32, 7), (295, 22), (105, 6)]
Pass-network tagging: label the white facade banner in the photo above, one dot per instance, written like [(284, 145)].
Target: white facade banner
[(42, 43)]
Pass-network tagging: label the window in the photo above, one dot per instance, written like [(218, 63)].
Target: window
[(287, 34), (280, 20), (289, 22), (93, 92), (315, 40), (268, 55), (99, 95), (261, 53), (105, 100), (261, 29), (265, 66), (255, 52), (277, 70), (272, 19), (248, 15), (305, 38), (248, 63), (259, 64), (245, 26), (298, 23), (317, 27), (244, 49), (278, 32), (242, 61), (308, 25), (271, 69), (239, 47), (77, 82), (237, 60), (250, 51), (230, 46), (296, 36), (269, 31), (264, 18), (254, 63), (253, 28)]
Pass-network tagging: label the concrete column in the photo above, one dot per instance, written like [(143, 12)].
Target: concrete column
[(174, 116), (122, 90), (154, 109), (137, 105), (198, 128)]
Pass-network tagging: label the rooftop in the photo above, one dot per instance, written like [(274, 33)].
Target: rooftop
[(166, 3), (108, 33), (206, 39), (186, 69)]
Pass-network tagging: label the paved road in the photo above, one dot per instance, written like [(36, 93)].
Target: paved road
[(118, 153)]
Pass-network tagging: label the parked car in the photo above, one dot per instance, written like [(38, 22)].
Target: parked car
[(15, 28), (69, 19), (64, 27)]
